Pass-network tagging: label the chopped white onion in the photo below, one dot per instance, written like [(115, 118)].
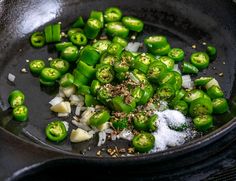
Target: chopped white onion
[(68, 91), (133, 46), (86, 115), (79, 135), (187, 82), (102, 138), (104, 126), (125, 134), (76, 99), (66, 125), (77, 110), (56, 100), (62, 114), (11, 77), (81, 125)]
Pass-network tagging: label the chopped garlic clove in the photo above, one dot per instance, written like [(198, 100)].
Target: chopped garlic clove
[(79, 135)]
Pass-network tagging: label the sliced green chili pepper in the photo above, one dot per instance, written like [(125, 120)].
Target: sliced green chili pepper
[(203, 122), (56, 131), (140, 121), (37, 39), (179, 94), (142, 61), (16, 98), (92, 28), (95, 86), (143, 142), (61, 46), (108, 59), (152, 123), (166, 92), (127, 57), (70, 53), (211, 52), (86, 70), (200, 60), (177, 54), (36, 66), (89, 55), (133, 24), (192, 95), (79, 78), (72, 31), (46, 83), (181, 106), (200, 106), (114, 49), (61, 65), (155, 69), (220, 105), (67, 80), (121, 66), (116, 29), (147, 94), (169, 62), (84, 89), (167, 77), (178, 80), (56, 32), (138, 77), (48, 33), (105, 73), (202, 81), (99, 118), (20, 113), (157, 41), (50, 74), (97, 15), (79, 23), (120, 124), (189, 68), (101, 45), (78, 39), (137, 93), (215, 92), (121, 76), (104, 95), (119, 105), (112, 14), (123, 42), (89, 100), (160, 51)]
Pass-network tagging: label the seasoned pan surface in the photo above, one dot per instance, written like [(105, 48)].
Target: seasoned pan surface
[(185, 23)]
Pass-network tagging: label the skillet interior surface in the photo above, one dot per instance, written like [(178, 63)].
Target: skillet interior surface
[(184, 23)]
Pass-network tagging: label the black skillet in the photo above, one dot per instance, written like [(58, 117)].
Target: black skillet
[(185, 23)]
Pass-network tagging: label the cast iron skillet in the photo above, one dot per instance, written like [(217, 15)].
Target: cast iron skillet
[(184, 23)]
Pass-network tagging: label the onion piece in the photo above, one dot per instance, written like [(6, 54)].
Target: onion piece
[(125, 134), (86, 115), (187, 82), (66, 125), (81, 125), (56, 100), (102, 138), (79, 135), (11, 77), (62, 114), (133, 46), (60, 108), (68, 91)]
